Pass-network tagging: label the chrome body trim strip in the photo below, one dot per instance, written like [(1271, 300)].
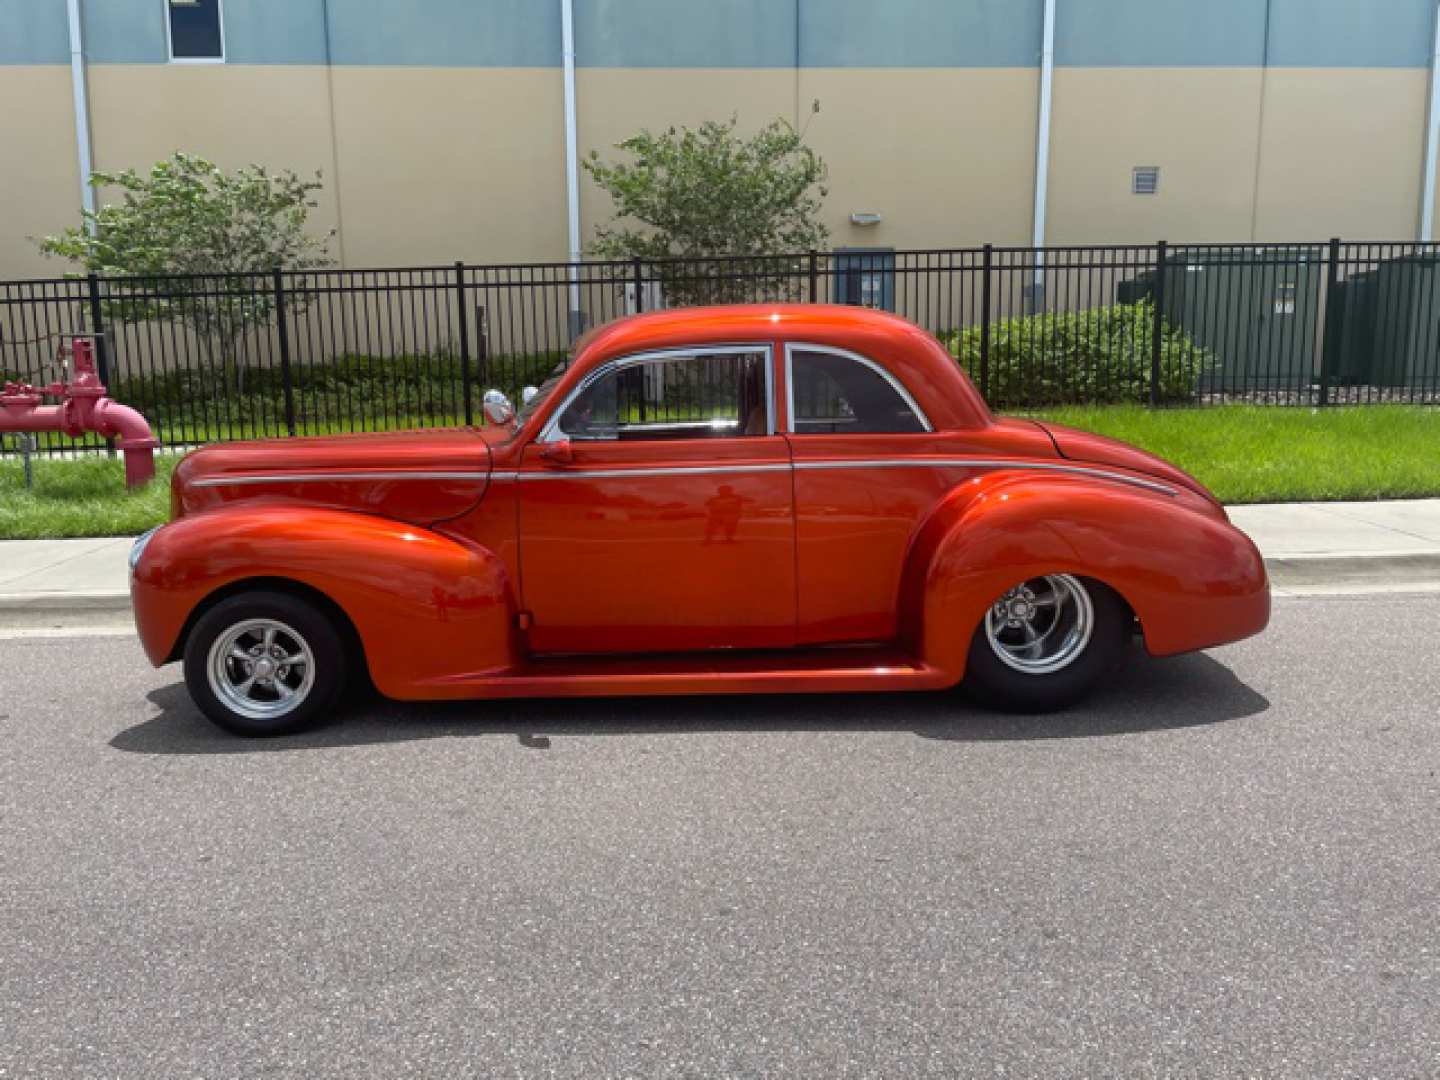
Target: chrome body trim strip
[(334, 477), (792, 347), (986, 463), (674, 470), (862, 463)]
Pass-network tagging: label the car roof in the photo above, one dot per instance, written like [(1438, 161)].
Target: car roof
[(737, 322), (908, 352)]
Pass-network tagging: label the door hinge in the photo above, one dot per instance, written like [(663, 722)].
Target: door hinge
[(524, 620)]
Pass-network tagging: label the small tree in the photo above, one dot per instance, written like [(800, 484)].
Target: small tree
[(706, 192), (187, 239)]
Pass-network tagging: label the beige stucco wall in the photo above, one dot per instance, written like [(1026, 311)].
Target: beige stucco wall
[(1197, 124), (427, 165), (1283, 154), (439, 164), (39, 183), (945, 155), (1342, 154), (936, 152)]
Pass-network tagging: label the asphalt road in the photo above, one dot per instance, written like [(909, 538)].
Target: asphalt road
[(1226, 865)]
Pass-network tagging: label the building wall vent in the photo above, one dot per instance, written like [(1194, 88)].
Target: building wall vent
[(1145, 180)]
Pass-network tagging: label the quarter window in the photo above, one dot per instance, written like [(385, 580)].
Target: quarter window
[(836, 394), (194, 30), (701, 395)]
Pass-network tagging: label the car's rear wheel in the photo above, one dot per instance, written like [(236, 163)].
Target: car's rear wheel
[(1044, 643), (265, 663)]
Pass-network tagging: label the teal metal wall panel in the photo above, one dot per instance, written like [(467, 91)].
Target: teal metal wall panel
[(920, 33), (1352, 33), (275, 31), (124, 31), (753, 33), (33, 32), (1160, 33), (685, 33), (447, 33)]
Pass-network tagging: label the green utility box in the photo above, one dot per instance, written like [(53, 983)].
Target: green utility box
[(1350, 331), (1255, 309), (1406, 321)]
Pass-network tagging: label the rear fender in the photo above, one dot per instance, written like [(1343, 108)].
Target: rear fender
[(1192, 579), (425, 606)]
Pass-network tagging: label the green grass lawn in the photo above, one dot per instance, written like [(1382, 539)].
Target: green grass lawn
[(80, 497), (1248, 454), (1244, 453)]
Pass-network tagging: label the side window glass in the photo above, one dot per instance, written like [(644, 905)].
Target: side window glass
[(684, 396), (838, 395)]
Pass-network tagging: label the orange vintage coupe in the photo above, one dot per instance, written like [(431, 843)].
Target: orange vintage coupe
[(714, 500)]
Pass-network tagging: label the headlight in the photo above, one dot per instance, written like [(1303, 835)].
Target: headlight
[(138, 548)]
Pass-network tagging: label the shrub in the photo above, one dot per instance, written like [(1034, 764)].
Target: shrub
[(1096, 357)]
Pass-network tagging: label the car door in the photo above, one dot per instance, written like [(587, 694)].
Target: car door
[(656, 509), (866, 474)]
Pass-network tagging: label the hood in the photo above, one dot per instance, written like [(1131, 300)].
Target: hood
[(415, 476), (1092, 449)]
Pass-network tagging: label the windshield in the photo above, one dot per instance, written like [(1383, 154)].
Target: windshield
[(527, 410)]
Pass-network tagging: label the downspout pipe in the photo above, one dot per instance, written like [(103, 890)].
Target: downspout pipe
[(572, 161), (82, 108), (1042, 148), (1432, 142)]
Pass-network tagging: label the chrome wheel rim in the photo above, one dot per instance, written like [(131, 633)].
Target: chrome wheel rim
[(1041, 625), (261, 669)]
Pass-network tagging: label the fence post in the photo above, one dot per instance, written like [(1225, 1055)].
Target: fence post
[(814, 275), (465, 380), (482, 332), (1157, 336), (639, 285), (283, 328), (102, 354), (987, 269), (1331, 332)]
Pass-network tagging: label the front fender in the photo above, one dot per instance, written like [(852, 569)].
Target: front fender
[(426, 607), (1191, 578)]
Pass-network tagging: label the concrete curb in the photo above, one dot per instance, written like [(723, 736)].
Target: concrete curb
[(1321, 572), (39, 603), (1349, 571)]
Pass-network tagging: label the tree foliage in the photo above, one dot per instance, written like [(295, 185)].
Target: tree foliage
[(693, 194), (186, 241)]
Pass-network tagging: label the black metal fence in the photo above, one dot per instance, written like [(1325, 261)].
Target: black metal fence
[(235, 356)]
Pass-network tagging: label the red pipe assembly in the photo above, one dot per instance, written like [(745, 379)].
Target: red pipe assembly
[(85, 408)]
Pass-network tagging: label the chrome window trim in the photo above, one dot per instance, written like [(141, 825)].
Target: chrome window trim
[(330, 477), (791, 347), (550, 433), (987, 463)]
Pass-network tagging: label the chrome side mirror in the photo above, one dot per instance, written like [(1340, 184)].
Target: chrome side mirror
[(528, 394), (498, 409)]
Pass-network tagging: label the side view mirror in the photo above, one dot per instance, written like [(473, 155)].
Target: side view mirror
[(558, 452), (498, 409), (528, 394)]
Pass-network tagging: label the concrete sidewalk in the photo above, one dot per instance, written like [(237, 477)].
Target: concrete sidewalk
[(1308, 547)]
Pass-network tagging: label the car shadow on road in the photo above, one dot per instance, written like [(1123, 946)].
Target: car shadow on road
[(1146, 695)]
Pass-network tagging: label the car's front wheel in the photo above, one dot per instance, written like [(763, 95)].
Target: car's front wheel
[(1044, 643), (265, 663)]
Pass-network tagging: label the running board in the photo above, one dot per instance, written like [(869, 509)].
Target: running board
[(815, 671)]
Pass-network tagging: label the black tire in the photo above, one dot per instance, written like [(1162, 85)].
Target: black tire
[(299, 621), (994, 683)]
